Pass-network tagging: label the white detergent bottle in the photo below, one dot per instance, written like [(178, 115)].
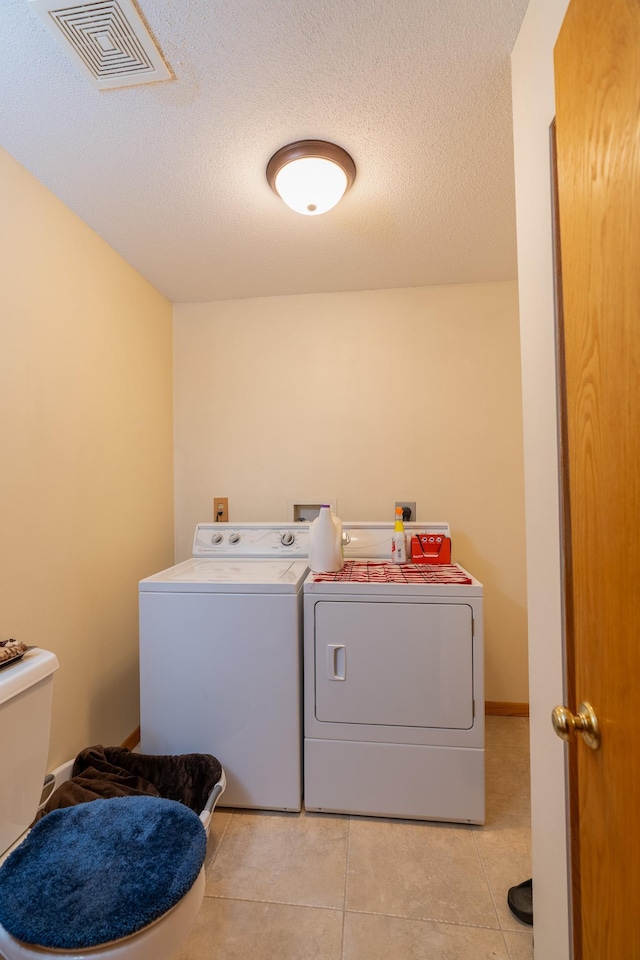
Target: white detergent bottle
[(325, 542)]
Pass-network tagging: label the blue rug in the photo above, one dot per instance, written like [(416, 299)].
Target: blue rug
[(100, 871)]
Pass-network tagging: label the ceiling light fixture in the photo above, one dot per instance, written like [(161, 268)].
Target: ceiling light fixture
[(311, 176)]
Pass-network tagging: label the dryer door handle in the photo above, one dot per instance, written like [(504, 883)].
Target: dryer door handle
[(336, 661)]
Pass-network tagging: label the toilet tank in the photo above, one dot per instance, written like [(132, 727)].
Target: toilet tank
[(26, 691)]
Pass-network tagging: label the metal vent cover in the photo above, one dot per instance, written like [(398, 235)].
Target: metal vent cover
[(106, 39)]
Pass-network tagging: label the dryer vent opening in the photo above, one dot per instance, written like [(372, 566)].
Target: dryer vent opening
[(107, 40)]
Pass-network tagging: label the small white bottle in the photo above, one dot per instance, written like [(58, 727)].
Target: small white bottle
[(399, 543)]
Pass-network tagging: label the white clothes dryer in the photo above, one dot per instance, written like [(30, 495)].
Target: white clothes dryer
[(221, 658), (393, 684)]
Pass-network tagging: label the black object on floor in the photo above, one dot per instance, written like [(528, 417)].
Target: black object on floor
[(520, 900)]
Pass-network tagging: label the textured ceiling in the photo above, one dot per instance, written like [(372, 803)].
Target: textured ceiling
[(172, 174)]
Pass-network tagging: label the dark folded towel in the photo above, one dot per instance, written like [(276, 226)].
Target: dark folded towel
[(106, 772)]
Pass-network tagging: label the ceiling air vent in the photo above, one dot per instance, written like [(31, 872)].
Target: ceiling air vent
[(106, 39)]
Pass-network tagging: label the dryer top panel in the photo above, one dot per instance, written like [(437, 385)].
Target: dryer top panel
[(365, 540)]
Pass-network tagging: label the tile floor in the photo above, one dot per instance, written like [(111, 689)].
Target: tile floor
[(310, 886)]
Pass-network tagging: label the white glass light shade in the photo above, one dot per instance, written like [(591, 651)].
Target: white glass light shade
[(311, 176), (311, 185)]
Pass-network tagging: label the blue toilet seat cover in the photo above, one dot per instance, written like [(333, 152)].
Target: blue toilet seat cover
[(100, 871)]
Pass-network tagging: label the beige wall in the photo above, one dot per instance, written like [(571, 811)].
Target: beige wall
[(367, 398), (533, 111), (86, 482)]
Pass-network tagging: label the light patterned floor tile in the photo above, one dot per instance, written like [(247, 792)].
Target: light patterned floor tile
[(520, 945), (505, 852), (507, 769), (240, 930), (282, 857), (369, 937), (412, 869), (217, 829)]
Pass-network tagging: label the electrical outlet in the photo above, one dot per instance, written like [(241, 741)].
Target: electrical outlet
[(409, 505), (221, 509)]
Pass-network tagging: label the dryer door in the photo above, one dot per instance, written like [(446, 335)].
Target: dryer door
[(395, 664)]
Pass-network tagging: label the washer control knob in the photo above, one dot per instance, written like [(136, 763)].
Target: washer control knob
[(234, 538), (287, 539), (216, 538)]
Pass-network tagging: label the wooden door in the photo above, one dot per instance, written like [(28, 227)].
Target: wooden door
[(597, 70)]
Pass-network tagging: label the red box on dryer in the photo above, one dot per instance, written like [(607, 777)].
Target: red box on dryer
[(430, 548)]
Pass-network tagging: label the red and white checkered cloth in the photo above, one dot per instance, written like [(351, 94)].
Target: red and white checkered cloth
[(356, 571)]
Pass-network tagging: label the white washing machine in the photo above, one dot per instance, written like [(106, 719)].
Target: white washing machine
[(393, 685), (221, 658)]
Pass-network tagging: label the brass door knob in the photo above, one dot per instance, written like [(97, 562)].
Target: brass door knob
[(584, 722)]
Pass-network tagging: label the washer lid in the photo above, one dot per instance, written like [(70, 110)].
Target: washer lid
[(229, 576)]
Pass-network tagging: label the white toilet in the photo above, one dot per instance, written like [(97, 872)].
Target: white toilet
[(26, 690)]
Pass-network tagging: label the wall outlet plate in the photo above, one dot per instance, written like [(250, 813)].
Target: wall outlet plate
[(408, 505), (221, 509)]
